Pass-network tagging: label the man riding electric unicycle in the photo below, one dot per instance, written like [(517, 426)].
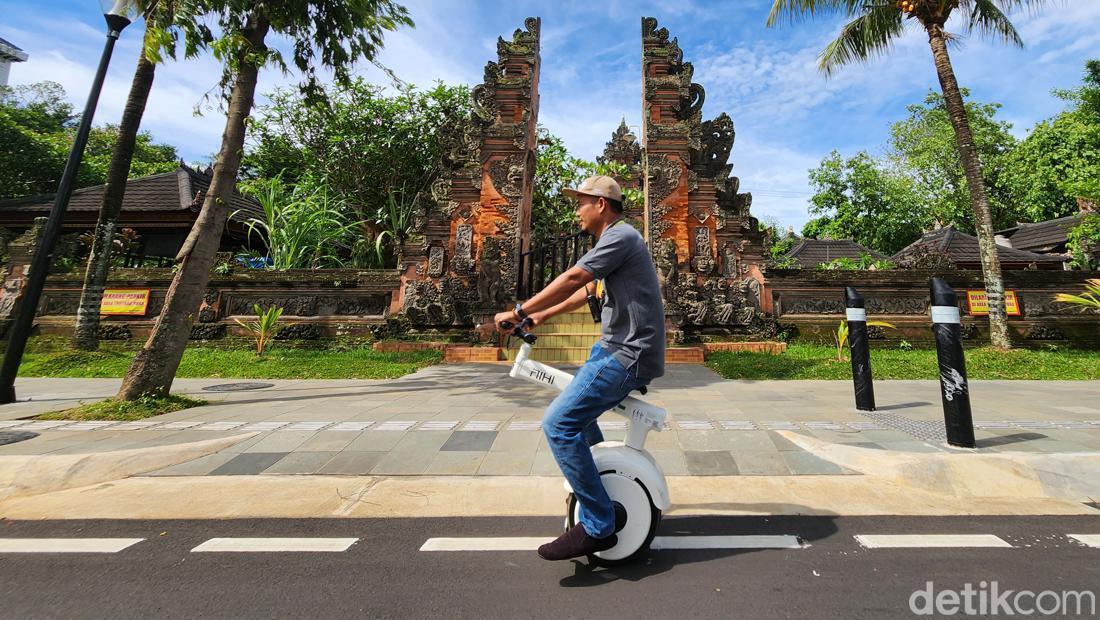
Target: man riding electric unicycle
[(629, 354)]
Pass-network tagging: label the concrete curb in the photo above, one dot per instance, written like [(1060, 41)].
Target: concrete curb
[(36, 474), (1071, 476)]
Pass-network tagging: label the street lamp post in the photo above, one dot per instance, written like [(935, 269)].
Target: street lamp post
[(119, 14)]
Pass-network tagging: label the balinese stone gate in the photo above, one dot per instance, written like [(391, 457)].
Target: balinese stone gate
[(463, 263), (707, 247)]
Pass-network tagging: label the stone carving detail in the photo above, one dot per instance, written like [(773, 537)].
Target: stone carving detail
[(718, 303), (212, 331), (1045, 332), (703, 261), (667, 269), (691, 104), (488, 278), (435, 261), (717, 142), (463, 261), (663, 178), (362, 305), (623, 147), (302, 305), (897, 305), (507, 176), (812, 306)]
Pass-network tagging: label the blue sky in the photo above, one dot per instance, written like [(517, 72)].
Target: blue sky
[(786, 113)]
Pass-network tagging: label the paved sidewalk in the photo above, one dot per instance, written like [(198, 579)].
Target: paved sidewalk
[(474, 420)]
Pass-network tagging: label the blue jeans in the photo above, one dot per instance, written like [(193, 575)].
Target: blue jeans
[(570, 427)]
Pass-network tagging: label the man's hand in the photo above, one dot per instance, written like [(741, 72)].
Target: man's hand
[(536, 319), (507, 315)]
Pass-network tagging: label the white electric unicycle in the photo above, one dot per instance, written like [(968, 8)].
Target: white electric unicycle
[(630, 474)]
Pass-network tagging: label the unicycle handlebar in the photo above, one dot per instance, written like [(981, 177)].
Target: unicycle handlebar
[(517, 330)]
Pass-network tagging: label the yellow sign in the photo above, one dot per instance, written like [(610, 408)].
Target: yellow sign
[(979, 306), (131, 302)]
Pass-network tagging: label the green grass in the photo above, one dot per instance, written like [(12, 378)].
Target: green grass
[(808, 361), (112, 409), (205, 362)]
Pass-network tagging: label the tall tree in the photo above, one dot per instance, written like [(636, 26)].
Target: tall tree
[(1059, 161), (327, 34), (925, 146), (874, 26), (862, 199), (37, 127), (159, 40)]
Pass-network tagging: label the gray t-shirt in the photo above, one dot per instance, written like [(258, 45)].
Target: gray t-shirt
[(633, 321)]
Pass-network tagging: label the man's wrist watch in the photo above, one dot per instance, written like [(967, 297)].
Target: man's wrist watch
[(519, 311)]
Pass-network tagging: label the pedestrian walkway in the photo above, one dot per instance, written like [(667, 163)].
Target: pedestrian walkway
[(475, 420)]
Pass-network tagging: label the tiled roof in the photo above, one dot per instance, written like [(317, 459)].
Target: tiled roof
[(181, 189), (812, 252), (963, 248), (1043, 236)]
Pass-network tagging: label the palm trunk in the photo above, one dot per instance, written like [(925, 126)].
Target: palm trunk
[(154, 367), (983, 220), (99, 259)]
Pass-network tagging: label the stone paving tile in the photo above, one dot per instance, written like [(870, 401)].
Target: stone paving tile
[(544, 464), (421, 441), (327, 441), (280, 441), (510, 463), (375, 441), (469, 441), (351, 462), (671, 461), (458, 463), (201, 466), (248, 464), (909, 446), (301, 463), (782, 443), (761, 463), (706, 440), (519, 441), (710, 463), (804, 463), (404, 462)]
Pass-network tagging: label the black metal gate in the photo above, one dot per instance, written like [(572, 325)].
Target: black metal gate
[(541, 264)]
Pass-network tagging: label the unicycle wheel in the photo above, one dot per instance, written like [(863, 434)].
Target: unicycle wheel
[(631, 499)]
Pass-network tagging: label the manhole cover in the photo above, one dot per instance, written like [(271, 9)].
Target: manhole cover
[(7, 437), (237, 387)]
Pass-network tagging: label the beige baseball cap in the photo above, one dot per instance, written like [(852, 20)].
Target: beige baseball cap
[(600, 186)]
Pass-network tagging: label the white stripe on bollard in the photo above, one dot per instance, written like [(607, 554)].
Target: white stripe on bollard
[(945, 314), (856, 314)]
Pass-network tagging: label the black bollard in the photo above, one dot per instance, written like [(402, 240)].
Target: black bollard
[(861, 351), (954, 389)]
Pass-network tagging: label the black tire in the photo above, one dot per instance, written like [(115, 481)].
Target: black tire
[(655, 521)]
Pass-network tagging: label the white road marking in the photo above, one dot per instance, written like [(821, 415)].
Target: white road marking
[(66, 545), (1091, 540), (260, 545), (728, 542), (484, 544), (894, 541), (522, 543)]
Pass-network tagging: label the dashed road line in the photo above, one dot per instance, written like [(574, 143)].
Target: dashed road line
[(66, 545), (1089, 540), (897, 541), (531, 543), (271, 545)]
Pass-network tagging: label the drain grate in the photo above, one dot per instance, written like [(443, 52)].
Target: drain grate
[(7, 437), (921, 429), (237, 387)]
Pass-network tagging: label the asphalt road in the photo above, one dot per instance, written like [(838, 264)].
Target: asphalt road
[(384, 573)]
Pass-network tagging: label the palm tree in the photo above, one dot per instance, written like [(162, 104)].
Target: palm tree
[(875, 24), (158, 40)]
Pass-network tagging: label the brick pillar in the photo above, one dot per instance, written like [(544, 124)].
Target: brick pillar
[(707, 246), (463, 265)]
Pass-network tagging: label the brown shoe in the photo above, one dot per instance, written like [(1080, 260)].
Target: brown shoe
[(574, 543)]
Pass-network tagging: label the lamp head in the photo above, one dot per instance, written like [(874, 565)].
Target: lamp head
[(120, 13)]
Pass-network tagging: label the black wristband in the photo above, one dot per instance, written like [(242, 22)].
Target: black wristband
[(519, 311)]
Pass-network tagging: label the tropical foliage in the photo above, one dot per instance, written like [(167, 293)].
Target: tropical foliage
[(37, 127), (264, 328), (1088, 299)]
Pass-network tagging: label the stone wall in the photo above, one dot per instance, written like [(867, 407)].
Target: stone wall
[(812, 301), (316, 304)]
